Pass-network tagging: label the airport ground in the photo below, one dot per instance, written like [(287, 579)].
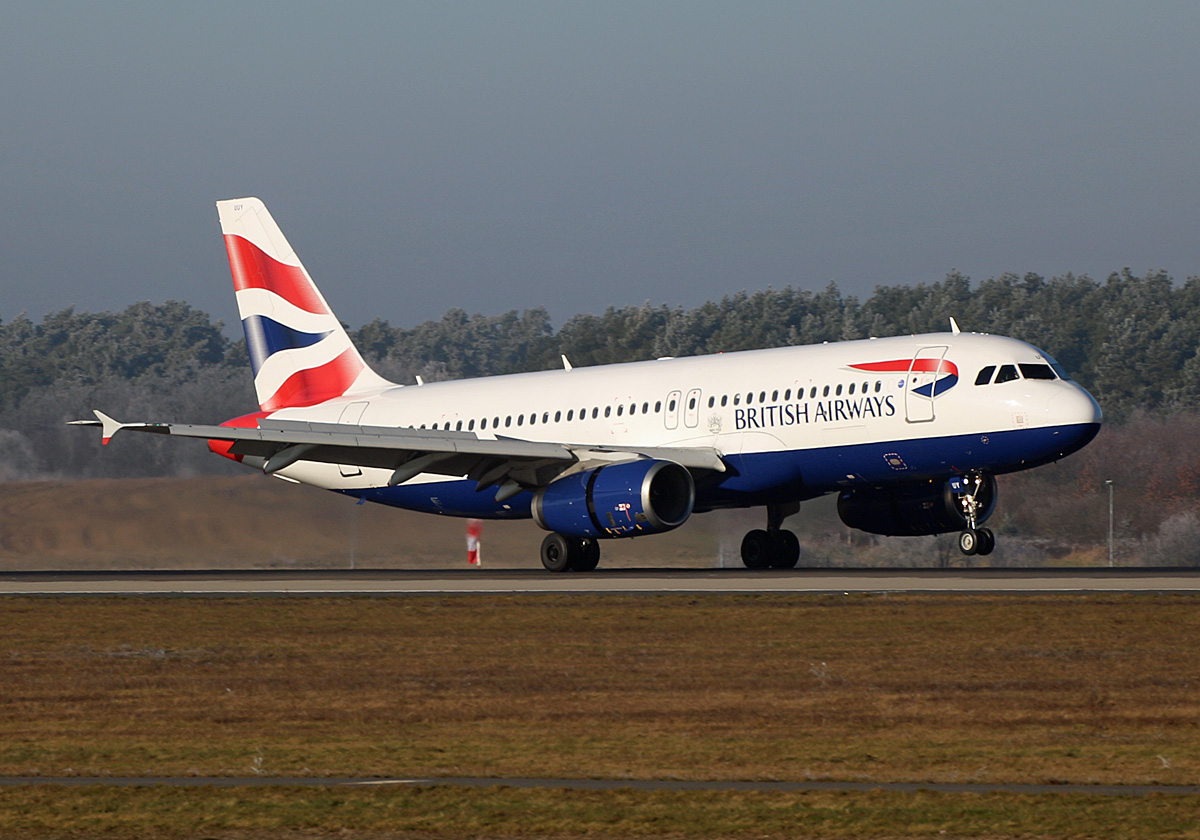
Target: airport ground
[(875, 688), (862, 688)]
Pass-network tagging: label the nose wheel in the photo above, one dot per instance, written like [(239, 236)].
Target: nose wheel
[(979, 541), (974, 540)]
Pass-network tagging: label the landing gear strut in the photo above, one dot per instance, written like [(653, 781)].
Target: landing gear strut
[(563, 553), (974, 540), (773, 548)]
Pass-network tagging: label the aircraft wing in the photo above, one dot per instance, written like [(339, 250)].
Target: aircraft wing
[(513, 464)]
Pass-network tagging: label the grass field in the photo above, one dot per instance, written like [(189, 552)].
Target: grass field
[(883, 688)]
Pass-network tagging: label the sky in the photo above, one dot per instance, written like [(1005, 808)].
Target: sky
[(498, 155)]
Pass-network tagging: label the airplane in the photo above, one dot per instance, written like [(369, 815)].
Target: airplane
[(910, 431)]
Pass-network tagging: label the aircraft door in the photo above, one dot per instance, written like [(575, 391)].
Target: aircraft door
[(919, 384), (671, 409), (691, 409), (351, 415)]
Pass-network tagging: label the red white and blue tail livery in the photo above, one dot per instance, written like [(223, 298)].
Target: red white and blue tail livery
[(910, 432), (299, 352)]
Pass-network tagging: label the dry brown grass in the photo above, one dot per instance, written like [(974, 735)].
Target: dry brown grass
[(918, 688), (391, 814)]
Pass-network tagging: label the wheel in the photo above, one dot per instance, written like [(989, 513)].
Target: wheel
[(557, 552), (987, 541), (756, 549), (786, 553), (589, 555), (968, 542)]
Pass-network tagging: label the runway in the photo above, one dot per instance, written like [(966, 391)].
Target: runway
[(602, 784), (313, 583)]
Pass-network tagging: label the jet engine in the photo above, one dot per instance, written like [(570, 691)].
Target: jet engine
[(913, 510), (625, 499)]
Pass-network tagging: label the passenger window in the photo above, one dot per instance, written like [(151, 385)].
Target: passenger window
[(595, 413), (557, 416), (471, 426), (458, 426), (1007, 374), (1037, 372), (608, 411), (985, 375), (620, 411), (787, 395), (851, 389), (724, 400), (657, 406), (692, 404), (838, 391), (646, 408), (521, 419), (749, 398), (878, 385), (813, 393), (712, 401), (508, 421), (774, 396), (825, 393), (570, 415), (671, 405), (762, 397)]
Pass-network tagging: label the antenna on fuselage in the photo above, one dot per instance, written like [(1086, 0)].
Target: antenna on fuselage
[(954, 326)]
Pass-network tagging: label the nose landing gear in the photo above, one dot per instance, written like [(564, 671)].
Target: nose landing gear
[(974, 540)]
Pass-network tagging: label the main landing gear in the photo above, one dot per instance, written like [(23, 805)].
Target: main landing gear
[(773, 548), (563, 553), (974, 540)]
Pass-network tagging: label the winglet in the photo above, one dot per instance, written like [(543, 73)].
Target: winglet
[(108, 426)]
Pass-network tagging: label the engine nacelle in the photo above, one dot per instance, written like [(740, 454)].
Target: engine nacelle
[(914, 510), (617, 500)]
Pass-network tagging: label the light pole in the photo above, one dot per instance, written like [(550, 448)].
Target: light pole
[(1109, 484)]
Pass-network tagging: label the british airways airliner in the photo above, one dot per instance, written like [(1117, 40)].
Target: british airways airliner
[(909, 431)]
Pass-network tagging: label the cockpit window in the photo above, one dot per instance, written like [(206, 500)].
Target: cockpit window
[(1007, 374), (1037, 372), (985, 375)]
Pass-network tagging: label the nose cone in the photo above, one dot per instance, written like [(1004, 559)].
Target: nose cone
[(1075, 416), (1073, 405)]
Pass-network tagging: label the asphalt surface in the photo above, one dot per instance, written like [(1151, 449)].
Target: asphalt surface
[(598, 784), (391, 582)]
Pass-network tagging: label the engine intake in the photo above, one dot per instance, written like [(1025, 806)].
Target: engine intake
[(617, 500), (913, 510)]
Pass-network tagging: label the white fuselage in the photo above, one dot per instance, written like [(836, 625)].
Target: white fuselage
[(796, 421)]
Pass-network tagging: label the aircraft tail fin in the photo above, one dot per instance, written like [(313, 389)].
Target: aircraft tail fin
[(299, 351)]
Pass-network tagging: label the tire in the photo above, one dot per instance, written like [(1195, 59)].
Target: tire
[(987, 542), (557, 552), (757, 550), (786, 550), (589, 555), (968, 542)]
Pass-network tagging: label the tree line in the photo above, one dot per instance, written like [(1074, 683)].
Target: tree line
[(1131, 340)]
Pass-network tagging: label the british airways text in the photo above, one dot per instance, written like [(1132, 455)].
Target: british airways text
[(821, 411)]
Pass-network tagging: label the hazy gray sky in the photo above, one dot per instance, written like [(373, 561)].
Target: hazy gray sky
[(498, 155)]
